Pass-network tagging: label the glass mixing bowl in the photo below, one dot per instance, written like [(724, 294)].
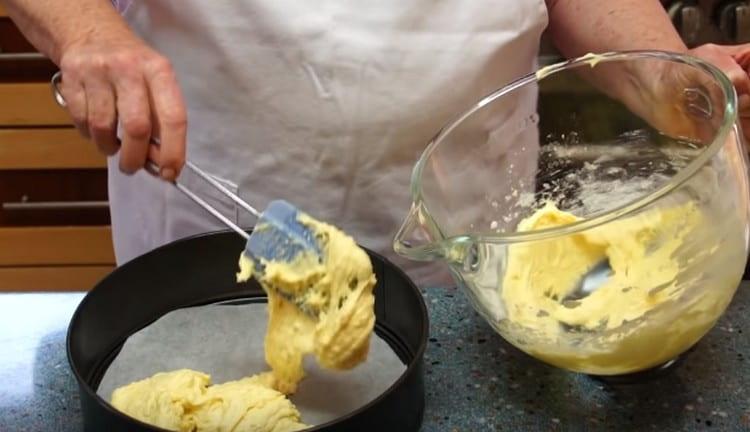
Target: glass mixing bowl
[(595, 212)]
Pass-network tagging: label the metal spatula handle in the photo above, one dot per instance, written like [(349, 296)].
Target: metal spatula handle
[(153, 169)]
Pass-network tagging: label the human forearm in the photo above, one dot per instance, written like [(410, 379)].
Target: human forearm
[(54, 25), (581, 26), (592, 26), (645, 86)]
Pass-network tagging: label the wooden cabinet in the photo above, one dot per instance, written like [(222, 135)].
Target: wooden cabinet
[(54, 218), (30, 104), (46, 148)]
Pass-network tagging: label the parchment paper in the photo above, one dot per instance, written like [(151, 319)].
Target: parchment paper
[(226, 342)]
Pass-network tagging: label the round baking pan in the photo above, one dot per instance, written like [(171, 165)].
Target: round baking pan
[(201, 270)]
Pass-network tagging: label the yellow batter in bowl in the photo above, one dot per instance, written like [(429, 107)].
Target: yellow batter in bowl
[(646, 312)]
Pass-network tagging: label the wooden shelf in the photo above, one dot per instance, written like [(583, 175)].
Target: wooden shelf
[(52, 246), (70, 278), (30, 104), (57, 148)]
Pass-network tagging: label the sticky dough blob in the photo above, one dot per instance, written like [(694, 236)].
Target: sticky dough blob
[(184, 400), (338, 290), (616, 328)]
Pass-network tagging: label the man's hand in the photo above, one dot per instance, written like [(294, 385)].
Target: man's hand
[(734, 61), (117, 77), (109, 75)]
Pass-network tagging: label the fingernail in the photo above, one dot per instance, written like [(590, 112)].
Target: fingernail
[(167, 173)]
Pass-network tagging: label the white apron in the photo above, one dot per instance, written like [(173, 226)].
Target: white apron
[(327, 104)]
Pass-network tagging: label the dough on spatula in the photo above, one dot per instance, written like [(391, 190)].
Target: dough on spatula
[(337, 317)]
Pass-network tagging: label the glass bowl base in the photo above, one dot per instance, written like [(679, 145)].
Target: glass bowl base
[(643, 376)]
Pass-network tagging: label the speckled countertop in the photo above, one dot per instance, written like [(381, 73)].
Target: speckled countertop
[(474, 380)]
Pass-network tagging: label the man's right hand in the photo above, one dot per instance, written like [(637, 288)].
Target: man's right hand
[(115, 77), (109, 75)]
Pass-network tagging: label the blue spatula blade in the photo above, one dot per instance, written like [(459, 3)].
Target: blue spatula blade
[(279, 236)]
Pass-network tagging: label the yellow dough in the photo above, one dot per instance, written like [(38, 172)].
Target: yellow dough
[(339, 306), (612, 330), (184, 400), (337, 295)]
